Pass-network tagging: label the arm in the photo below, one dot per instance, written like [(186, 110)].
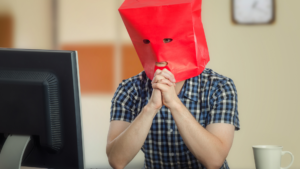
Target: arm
[(211, 145), (125, 140)]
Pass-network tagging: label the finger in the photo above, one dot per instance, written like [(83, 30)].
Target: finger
[(167, 74), (157, 78), (166, 82), (161, 87), (161, 79), (157, 72)]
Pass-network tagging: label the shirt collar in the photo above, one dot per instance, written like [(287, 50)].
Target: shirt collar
[(192, 88)]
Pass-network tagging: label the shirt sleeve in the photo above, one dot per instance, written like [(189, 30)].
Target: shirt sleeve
[(224, 103), (122, 105)]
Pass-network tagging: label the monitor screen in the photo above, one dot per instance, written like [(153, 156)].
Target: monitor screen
[(40, 104)]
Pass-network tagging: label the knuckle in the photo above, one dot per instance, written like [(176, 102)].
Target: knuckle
[(160, 77)]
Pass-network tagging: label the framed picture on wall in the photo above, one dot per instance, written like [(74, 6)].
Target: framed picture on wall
[(253, 12)]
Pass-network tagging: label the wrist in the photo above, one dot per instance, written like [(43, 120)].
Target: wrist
[(176, 105), (151, 109)]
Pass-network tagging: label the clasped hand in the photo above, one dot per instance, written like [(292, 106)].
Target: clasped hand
[(164, 92)]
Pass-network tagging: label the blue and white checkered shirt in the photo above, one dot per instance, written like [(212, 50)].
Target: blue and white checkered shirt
[(210, 97)]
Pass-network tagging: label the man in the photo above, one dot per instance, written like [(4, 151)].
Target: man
[(180, 114)]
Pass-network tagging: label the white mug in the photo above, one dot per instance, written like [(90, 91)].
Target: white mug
[(269, 157)]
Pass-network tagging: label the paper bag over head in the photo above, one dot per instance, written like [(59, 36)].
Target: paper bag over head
[(167, 31)]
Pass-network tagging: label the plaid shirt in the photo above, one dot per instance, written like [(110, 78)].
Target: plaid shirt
[(210, 97)]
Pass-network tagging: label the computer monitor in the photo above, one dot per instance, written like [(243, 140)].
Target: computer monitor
[(40, 120)]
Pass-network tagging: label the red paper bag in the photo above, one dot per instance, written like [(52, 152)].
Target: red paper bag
[(167, 31)]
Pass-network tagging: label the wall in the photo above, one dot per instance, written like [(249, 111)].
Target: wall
[(94, 30), (263, 62), (87, 22), (96, 23), (31, 21)]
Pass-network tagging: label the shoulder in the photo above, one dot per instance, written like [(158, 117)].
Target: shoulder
[(132, 86), (220, 97), (215, 85), (210, 75), (215, 80)]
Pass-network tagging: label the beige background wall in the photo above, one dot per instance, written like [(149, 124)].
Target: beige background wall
[(262, 61), (32, 22), (96, 16)]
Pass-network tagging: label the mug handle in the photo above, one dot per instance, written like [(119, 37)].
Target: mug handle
[(284, 152)]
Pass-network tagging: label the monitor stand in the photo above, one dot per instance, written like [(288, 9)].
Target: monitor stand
[(12, 151)]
